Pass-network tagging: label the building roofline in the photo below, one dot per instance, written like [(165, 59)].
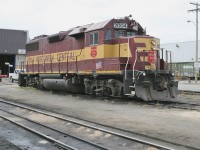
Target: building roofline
[(14, 30), (179, 42)]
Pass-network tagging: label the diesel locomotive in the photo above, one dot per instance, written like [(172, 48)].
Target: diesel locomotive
[(111, 58)]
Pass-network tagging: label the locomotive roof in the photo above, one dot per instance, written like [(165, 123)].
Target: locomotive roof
[(97, 26), (79, 30), (89, 27)]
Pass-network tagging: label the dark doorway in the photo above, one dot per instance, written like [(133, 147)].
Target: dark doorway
[(6, 58)]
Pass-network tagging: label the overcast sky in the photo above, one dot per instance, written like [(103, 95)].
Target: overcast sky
[(165, 19)]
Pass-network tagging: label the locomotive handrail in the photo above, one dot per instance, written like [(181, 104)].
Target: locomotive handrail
[(22, 66), (77, 60), (59, 65), (27, 66), (76, 65), (33, 66), (51, 66), (44, 66), (38, 66), (119, 52), (67, 64), (128, 58), (134, 64)]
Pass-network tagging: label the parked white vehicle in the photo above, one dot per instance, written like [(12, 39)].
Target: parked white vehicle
[(14, 76)]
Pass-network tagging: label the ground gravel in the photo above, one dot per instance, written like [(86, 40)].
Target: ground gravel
[(175, 125)]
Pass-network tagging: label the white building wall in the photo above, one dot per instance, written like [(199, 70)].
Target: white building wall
[(182, 51), (18, 59)]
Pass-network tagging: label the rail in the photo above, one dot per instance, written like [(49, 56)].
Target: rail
[(92, 127), (56, 130), (39, 133)]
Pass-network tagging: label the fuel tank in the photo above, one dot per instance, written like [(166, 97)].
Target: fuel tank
[(63, 85)]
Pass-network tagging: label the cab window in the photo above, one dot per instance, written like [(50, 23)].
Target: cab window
[(94, 38), (130, 33), (108, 34), (120, 33), (123, 33)]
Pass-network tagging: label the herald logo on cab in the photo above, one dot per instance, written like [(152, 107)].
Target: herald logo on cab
[(93, 51)]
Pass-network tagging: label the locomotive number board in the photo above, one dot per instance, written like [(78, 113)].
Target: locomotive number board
[(120, 25)]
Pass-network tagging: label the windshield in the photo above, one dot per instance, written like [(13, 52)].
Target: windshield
[(124, 33)]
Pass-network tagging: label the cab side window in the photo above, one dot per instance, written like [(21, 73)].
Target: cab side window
[(94, 38), (108, 34)]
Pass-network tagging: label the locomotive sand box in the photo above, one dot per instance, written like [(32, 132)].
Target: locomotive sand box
[(110, 58)]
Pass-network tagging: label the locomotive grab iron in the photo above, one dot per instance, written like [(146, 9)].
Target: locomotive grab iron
[(110, 58)]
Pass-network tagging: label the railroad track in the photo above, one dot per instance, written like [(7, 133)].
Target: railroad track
[(7, 115), (176, 104), (189, 92), (183, 105), (85, 135), (164, 104), (59, 143)]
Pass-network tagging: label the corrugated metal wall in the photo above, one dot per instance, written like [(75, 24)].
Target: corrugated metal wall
[(12, 40), (183, 57)]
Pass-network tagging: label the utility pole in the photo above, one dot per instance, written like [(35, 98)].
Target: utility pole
[(197, 11)]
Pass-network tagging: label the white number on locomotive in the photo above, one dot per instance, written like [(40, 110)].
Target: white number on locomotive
[(120, 25)]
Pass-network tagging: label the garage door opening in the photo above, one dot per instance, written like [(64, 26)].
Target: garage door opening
[(9, 59)]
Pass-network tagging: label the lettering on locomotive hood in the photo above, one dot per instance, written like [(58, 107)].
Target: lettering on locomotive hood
[(54, 57), (64, 56)]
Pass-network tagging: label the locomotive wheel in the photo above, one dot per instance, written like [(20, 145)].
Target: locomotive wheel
[(93, 93), (107, 92), (21, 81)]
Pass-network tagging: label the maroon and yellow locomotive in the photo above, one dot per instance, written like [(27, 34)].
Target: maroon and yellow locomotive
[(110, 58)]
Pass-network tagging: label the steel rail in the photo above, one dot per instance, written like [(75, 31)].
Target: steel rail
[(187, 92), (186, 106), (93, 127), (179, 105), (130, 132), (40, 134), (192, 104), (93, 144)]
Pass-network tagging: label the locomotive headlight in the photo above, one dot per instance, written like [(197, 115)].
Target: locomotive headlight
[(153, 47), (153, 42), (144, 73)]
